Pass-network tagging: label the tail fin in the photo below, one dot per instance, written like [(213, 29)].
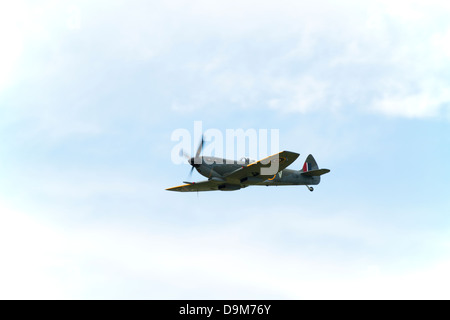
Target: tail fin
[(310, 164), (310, 168)]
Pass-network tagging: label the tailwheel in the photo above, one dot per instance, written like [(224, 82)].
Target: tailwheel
[(310, 188)]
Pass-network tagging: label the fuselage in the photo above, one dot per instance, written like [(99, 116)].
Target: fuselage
[(218, 169)]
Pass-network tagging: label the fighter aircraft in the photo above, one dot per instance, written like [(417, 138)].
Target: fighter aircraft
[(230, 175)]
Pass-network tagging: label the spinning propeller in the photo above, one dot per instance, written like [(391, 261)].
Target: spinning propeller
[(194, 161)]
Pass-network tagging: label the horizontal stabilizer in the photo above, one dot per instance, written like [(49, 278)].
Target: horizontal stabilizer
[(315, 173)]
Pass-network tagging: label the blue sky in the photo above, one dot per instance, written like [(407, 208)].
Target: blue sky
[(90, 93)]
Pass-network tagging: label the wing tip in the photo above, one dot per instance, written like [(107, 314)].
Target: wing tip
[(177, 187)]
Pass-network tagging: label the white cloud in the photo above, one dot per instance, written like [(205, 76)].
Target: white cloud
[(74, 20), (292, 56), (269, 252), (302, 95), (303, 59), (12, 21), (427, 103), (32, 254), (238, 261), (441, 43)]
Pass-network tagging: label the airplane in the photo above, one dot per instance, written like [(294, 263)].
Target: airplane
[(231, 175)]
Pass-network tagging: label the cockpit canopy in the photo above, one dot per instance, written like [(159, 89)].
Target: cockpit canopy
[(246, 161)]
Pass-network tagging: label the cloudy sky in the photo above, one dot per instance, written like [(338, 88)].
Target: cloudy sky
[(91, 91)]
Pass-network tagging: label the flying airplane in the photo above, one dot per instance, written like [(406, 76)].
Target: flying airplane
[(230, 175)]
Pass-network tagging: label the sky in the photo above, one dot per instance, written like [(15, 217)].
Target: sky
[(91, 92)]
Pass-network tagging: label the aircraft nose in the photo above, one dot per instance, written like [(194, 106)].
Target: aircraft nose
[(192, 162)]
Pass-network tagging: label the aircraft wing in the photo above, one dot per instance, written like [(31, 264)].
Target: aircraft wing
[(207, 185), (264, 168)]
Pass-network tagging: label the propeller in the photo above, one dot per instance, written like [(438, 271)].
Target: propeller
[(200, 147), (194, 162)]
